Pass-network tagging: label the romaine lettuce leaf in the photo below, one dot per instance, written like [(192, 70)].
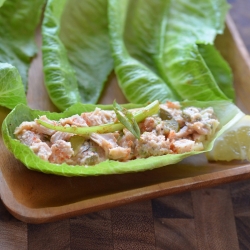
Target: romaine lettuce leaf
[(145, 38), (76, 52), (142, 30), (179, 61), (219, 68), (18, 22), (227, 113), (1, 2), (11, 86), (138, 83)]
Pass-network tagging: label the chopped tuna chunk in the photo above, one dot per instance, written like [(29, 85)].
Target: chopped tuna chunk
[(60, 136), (42, 150), (152, 144), (119, 153), (106, 141), (35, 127), (99, 117), (192, 114), (28, 137), (61, 151), (185, 145), (148, 124), (24, 126), (41, 129), (126, 140), (75, 120)]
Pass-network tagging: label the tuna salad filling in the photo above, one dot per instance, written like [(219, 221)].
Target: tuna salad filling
[(172, 130)]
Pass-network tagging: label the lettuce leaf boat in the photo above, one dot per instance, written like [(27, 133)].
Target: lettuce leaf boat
[(227, 113), (76, 52)]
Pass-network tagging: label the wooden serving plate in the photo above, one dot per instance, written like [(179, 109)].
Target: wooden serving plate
[(34, 197)]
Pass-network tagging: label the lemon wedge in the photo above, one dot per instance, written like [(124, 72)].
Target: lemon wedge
[(234, 143)]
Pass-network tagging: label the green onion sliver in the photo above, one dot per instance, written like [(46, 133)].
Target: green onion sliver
[(139, 116)]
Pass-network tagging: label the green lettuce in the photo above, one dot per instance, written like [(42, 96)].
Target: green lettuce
[(146, 32), (11, 86), (1, 2), (138, 83), (76, 52), (18, 23), (142, 34), (179, 61), (227, 112), (219, 68)]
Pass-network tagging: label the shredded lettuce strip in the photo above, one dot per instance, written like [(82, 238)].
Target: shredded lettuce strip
[(227, 113), (76, 52), (11, 86)]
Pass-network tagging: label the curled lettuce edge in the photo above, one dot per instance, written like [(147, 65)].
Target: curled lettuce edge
[(178, 60), (11, 87), (226, 111), (219, 68), (18, 24), (168, 44)]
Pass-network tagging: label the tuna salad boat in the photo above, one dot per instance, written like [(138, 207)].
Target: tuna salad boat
[(94, 140), (170, 131)]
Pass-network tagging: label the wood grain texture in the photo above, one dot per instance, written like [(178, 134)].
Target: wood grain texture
[(240, 198), (177, 206), (175, 234), (13, 233), (47, 235), (92, 231), (133, 227), (203, 219), (243, 230), (174, 222), (240, 194), (214, 219)]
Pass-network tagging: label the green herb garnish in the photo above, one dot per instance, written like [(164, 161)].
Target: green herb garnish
[(127, 119)]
